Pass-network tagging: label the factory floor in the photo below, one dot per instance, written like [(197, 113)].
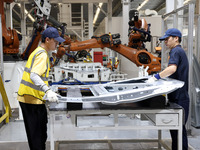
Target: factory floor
[(13, 137)]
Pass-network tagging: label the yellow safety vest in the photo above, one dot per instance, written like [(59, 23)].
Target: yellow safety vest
[(27, 87)]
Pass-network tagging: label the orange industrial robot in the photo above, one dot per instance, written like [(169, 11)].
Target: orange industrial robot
[(10, 37), (135, 51)]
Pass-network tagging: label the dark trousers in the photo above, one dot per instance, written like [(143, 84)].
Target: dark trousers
[(35, 121), (174, 133)]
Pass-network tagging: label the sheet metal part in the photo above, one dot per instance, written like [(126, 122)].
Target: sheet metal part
[(127, 91)]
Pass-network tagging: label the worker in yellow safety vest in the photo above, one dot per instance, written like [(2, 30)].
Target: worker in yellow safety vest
[(33, 87)]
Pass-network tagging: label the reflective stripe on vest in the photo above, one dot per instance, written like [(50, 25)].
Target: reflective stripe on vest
[(31, 85), (29, 71)]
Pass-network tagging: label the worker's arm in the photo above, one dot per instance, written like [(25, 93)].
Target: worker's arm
[(49, 94), (39, 68), (36, 79), (168, 71), (165, 73)]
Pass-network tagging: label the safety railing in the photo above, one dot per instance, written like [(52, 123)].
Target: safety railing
[(7, 113)]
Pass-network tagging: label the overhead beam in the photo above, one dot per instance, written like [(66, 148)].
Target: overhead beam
[(68, 1), (158, 8), (97, 6), (117, 7)]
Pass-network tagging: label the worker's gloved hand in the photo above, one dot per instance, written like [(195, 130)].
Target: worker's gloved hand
[(151, 80), (52, 96), (154, 78)]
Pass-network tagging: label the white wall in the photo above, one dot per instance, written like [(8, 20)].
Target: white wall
[(13, 74), (101, 28), (155, 28)]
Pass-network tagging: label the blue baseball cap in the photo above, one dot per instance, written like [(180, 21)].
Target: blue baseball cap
[(52, 32), (171, 32)]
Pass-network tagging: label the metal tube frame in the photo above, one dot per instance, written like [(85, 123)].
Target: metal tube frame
[(190, 56), (72, 128), (175, 11), (198, 40)]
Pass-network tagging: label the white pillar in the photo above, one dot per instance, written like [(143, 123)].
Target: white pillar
[(109, 25), (90, 24), (190, 56), (23, 26), (125, 20), (179, 3), (9, 15), (90, 19), (170, 5), (179, 21), (109, 8), (65, 14), (198, 30), (124, 36), (82, 23)]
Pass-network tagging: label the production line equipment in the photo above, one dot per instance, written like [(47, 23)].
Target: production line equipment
[(126, 91), (135, 51), (139, 33), (109, 94), (95, 110)]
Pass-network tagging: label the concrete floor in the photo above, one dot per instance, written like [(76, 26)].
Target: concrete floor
[(13, 137)]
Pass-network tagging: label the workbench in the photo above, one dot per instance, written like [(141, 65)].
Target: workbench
[(71, 125)]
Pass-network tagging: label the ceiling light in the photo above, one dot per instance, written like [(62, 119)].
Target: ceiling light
[(18, 31), (29, 15), (139, 7), (186, 1), (97, 12)]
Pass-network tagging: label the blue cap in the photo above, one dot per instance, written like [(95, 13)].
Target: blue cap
[(171, 32), (52, 32)]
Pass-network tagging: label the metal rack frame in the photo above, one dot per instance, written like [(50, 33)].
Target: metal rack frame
[(65, 127)]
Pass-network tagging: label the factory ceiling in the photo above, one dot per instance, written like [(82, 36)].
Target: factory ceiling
[(157, 5), (116, 8)]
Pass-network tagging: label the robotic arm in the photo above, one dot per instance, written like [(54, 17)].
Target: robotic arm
[(41, 12), (135, 51), (10, 37), (103, 41), (42, 15), (139, 57), (139, 31)]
